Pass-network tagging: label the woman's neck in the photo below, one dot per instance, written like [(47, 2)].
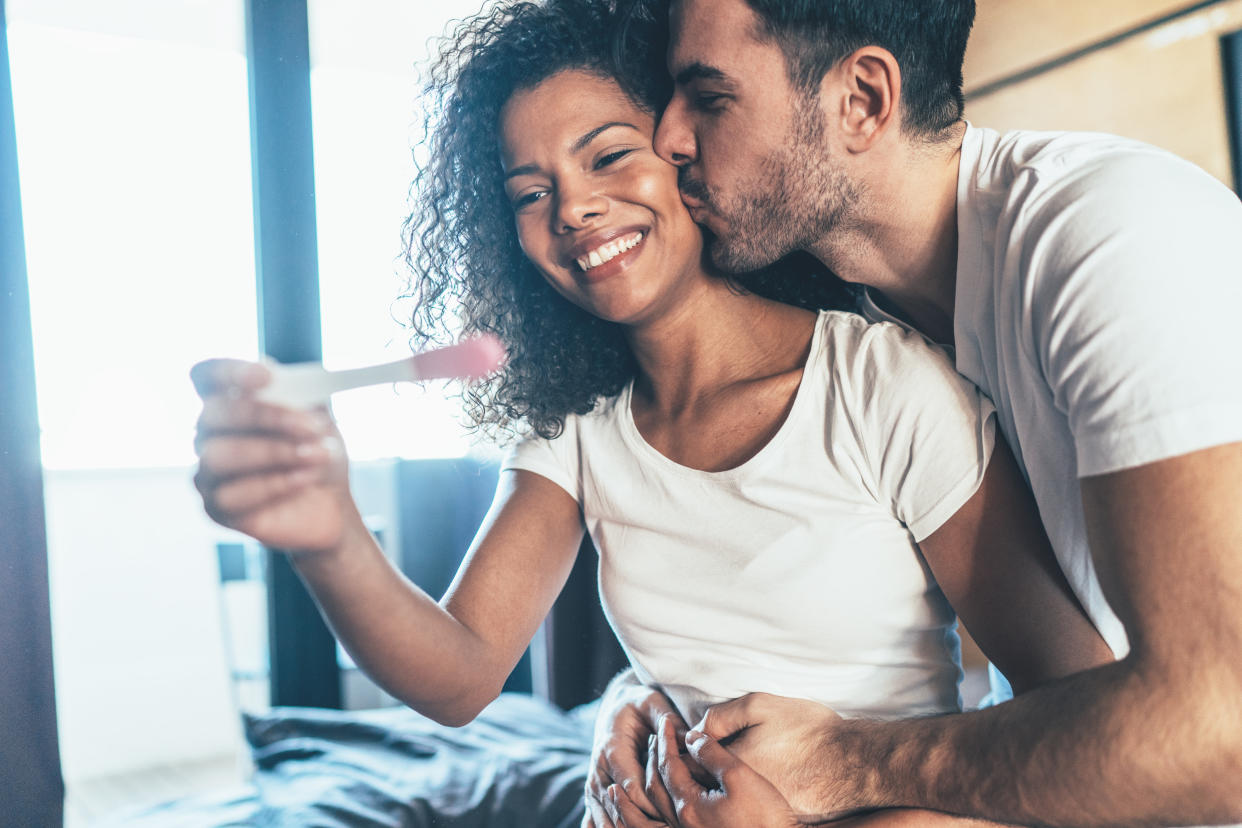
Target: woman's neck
[(712, 340)]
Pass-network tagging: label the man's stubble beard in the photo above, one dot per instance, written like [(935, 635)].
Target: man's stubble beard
[(800, 196)]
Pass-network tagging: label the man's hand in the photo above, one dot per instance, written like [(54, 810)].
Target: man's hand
[(627, 720), (726, 794), (784, 740), (1155, 738)]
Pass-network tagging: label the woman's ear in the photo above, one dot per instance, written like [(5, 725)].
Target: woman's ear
[(868, 88)]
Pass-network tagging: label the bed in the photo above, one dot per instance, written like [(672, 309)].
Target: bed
[(521, 763)]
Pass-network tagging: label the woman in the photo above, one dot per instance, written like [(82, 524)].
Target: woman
[(767, 485)]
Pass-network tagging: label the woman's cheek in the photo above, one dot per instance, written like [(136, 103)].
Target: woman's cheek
[(656, 185), (528, 238)]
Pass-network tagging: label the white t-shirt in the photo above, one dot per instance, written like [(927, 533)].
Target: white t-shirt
[(797, 572), (1098, 285)]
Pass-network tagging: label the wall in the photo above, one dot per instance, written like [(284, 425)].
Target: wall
[(142, 674), (1140, 68)]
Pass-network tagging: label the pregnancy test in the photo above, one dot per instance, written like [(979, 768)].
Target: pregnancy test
[(308, 384)]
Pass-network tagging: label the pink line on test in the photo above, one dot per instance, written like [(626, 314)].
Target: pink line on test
[(473, 358)]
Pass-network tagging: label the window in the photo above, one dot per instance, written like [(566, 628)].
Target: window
[(134, 154), (364, 83), (133, 146)]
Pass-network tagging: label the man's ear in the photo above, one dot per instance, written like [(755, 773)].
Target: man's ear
[(868, 88)]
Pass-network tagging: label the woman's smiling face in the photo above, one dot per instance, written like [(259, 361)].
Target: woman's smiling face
[(598, 212)]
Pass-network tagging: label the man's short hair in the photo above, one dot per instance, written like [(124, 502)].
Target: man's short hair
[(928, 38)]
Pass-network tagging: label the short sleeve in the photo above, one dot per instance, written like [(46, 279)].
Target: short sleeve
[(925, 431), (556, 459), (1135, 276)]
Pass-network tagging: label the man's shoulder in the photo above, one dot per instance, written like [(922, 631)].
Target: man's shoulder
[(1042, 148), (1041, 168), (1067, 193)]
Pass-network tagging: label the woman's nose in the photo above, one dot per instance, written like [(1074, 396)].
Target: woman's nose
[(577, 208)]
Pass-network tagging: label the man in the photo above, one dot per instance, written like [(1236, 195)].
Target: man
[(1087, 284)]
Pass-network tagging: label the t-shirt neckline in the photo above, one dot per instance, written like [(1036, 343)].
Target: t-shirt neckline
[(636, 441)]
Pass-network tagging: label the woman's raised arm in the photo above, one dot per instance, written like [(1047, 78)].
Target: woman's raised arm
[(281, 476)]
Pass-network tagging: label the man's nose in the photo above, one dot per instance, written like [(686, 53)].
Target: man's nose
[(674, 139)]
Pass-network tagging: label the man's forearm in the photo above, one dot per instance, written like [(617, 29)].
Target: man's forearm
[(1107, 747), (1155, 739)]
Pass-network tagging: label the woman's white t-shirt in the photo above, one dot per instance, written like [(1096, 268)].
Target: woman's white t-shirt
[(798, 572)]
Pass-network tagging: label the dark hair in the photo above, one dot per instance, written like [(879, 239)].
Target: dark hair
[(927, 37), (461, 244)]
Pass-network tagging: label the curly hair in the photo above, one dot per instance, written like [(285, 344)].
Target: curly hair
[(467, 270)]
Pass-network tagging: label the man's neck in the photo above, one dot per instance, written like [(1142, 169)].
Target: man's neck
[(904, 242)]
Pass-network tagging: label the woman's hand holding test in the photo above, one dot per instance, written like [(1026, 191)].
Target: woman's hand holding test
[(281, 476), (278, 475)]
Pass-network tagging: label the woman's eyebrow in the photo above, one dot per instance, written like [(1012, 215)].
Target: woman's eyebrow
[(525, 169), (578, 146), (590, 136)]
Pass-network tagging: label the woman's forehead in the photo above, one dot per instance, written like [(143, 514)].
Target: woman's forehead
[(558, 110)]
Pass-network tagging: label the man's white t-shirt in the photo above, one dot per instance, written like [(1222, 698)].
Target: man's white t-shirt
[(798, 572), (1099, 282)]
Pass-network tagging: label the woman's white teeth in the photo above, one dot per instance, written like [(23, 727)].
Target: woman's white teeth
[(607, 252)]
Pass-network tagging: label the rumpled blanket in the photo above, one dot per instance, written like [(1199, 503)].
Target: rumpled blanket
[(521, 764)]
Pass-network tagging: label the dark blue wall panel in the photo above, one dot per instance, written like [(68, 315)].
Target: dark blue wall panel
[(440, 505), (303, 652), (1231, 51), (32, 788)]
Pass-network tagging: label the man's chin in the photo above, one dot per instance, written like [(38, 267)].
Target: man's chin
[(728, 258), (715, 252)]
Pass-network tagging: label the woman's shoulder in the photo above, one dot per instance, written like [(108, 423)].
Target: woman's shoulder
[(603, 414), (606, 410), (868, 361), (920, 427), (851, 339)]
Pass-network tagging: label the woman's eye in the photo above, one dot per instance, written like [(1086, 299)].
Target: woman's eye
[(526, 199), (611, 158)]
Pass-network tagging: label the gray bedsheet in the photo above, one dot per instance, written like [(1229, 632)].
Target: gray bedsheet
[(521, 763)]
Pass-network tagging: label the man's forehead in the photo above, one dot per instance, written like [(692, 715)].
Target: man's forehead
[(704, 33)]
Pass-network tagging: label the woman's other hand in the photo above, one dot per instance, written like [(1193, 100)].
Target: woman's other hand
[(628, 716), (278, 475)]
